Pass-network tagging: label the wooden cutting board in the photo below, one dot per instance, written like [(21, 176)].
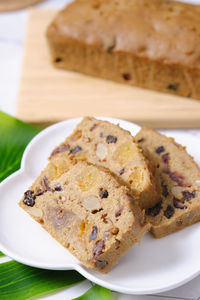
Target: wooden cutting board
[(47, 95)]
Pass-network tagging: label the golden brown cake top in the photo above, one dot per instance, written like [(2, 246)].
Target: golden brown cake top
[(160, 30)]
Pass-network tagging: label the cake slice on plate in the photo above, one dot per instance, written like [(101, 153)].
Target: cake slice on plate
[(179, 178), (105, 144), (87, 211)]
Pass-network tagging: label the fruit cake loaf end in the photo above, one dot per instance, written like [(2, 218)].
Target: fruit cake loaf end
[(150, 44), (105, 144), (88, 212), (179, 179)]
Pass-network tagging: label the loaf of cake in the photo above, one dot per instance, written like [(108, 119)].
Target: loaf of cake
[(179, 178), (104, 144), (88, 212), (151, 44)]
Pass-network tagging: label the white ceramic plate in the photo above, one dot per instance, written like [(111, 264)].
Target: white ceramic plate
[(152, 267)]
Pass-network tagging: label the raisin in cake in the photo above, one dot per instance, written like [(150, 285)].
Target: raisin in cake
[(88, 212), (152, 44), (179, 179), (105, 144)]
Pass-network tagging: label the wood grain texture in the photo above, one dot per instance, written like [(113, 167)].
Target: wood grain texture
[(48, 95), (7, 5)]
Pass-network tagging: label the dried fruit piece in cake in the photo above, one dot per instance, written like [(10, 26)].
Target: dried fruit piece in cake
[(89, 213), (178, 176), (105, 144)]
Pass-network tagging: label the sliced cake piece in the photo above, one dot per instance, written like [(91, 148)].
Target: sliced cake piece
[(179, 178), (88, 212), (105, 144)]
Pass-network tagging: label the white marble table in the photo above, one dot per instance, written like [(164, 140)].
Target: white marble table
[(12, 31)]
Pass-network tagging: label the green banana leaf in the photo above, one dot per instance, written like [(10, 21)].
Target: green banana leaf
[(20, 282), (96, 293), (14, 137)]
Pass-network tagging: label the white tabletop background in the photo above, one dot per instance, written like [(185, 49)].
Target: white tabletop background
[(12, 33)]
